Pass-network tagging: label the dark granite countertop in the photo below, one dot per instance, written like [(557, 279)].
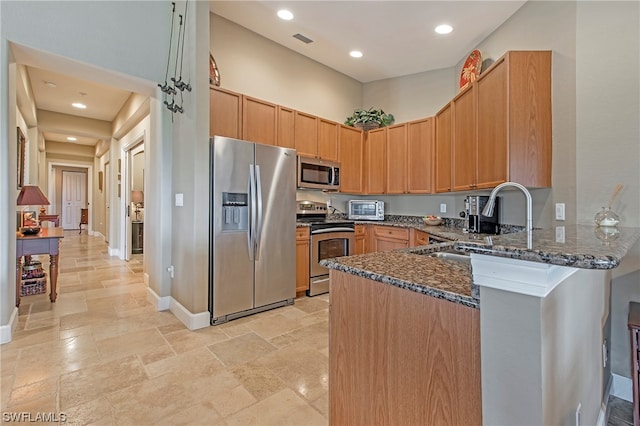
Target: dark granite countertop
[(581, 246)]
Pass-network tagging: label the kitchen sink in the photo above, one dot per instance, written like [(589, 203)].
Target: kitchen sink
[(453, 255)]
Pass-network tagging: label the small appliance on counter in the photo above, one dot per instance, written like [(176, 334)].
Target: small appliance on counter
[(476, 222), (366, 210)]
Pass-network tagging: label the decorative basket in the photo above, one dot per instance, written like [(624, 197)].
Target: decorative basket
[(32, 270), (34, 286), (366, 126)]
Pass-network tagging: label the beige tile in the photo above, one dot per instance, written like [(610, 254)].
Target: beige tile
[(46, 404), (197, 363), (241, 349), (137, 342), (273, 326), (258, 379), (282, 408), (186, 340), (156, 354), (311, 304), (32, 392), (96, 412), (202, 413), (91, 383)]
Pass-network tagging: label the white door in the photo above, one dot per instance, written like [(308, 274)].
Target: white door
[(74, 198)]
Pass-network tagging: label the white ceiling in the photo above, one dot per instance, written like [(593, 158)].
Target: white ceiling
[(396, 37), (103, 102)]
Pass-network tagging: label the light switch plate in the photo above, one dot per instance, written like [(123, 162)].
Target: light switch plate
[(559, 211), (179, 200), (443, 208)]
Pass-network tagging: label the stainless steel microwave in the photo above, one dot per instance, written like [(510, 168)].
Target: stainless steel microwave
[(366, 210), (314, 173)]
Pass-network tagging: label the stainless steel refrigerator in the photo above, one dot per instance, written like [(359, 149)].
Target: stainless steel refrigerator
[(253, 219)]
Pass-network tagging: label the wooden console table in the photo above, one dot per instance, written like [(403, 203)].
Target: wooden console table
[(46, 242), (55, 218)]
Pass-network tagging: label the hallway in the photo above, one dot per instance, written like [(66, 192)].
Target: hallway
[(102, 355)]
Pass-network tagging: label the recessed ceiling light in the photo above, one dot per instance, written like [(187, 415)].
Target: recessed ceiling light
[(50, 83), (444, 29), (78, 105), (355, 54), (72, 139), (285, 14)]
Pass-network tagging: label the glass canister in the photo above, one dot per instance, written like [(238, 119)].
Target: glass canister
[(606, 217)]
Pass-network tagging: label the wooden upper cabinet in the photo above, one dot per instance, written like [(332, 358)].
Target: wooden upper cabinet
[(328, 139), (491, 94), (375, 149), (306, 134), (285, 133), (529, 125), (259, 120), (225, 113), (396, 161), (350, 155), (463, 116), (443, 150), (420, 162)]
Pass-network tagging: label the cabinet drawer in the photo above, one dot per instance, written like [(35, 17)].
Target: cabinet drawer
[(420, 238), (302, 233), (391, 232), (360, 230)]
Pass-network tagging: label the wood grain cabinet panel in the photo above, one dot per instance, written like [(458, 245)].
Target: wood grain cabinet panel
[(259, 120), (328, 139), (225, 113), (464, 142), (382, 371), (420, 160), (360, 239), (387, 238), (443, 150), (306, 134), (286, 127), (375, 149), (302, 259), (350, 155), (396, 161)]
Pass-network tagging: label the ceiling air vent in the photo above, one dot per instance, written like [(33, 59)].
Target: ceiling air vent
[(302, 38)]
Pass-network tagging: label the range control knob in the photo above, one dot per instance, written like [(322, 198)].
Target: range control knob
[(463, 214)]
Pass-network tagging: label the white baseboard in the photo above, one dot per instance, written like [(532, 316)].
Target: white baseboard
[(604, 409), (622, 388), (113, 251), (6, 331), (145, 278), (161, 303), (190, 320)]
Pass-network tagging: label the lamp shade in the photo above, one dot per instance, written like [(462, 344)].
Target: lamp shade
[(137, 196), (31, 195)]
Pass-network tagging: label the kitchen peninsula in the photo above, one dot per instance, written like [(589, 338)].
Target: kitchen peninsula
[(408, 344)]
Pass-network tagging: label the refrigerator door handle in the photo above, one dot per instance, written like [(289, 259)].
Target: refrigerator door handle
[(258, 232), (252, 210)]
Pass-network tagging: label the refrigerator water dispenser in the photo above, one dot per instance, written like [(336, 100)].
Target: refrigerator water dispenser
[(235, 211)]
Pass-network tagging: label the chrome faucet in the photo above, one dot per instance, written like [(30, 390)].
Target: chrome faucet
[(488, 208)]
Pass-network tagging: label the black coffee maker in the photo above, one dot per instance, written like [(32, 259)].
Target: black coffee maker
[(476, 222)]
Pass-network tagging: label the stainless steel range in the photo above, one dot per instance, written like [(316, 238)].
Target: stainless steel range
[(329, 238)]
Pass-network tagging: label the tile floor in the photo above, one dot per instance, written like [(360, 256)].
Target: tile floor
[(102, 355), (620, 412)]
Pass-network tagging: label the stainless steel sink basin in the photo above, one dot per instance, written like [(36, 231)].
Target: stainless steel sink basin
[(452, 255)]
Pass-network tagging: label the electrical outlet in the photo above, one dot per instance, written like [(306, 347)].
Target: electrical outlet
[(559, 234), (559, 211), (443, 208), (329, 203), (578, 409)]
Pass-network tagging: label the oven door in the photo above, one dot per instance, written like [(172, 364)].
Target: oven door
[(325, 244)]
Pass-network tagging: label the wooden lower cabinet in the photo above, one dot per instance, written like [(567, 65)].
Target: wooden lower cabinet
[(360, 239), (389, 238), (419, 238), (384, 370), (302, 259)]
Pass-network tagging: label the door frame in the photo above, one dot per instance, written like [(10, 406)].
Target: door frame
[(135, 140), (51, 191), (77, 217)]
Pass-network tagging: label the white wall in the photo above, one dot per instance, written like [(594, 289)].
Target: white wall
[(255, 66)]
